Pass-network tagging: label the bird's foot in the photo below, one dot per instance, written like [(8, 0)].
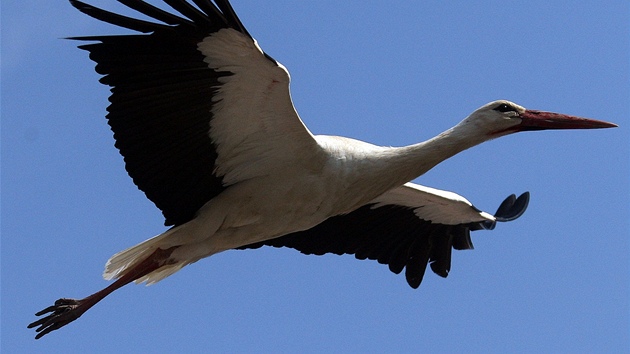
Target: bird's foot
[(63, 311)]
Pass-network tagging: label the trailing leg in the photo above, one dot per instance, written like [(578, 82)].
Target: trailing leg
[(65, 311)]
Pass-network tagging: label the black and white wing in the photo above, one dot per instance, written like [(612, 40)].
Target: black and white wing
[(196, 105), (407, 228)]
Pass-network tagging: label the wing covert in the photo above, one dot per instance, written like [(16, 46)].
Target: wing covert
[(392, 231), (172, 112)]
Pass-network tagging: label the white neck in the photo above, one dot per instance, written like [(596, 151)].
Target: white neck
[(402, 164), (374, 170)]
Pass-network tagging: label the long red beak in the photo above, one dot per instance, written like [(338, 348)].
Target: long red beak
[(540, 120)]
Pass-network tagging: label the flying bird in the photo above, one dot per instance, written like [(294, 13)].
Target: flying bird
[(205, 123)]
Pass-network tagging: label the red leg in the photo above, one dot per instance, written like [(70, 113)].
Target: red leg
[(65, 311)]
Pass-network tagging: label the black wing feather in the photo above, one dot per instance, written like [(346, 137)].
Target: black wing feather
[(441, 239), (116, 19), (161, 100), (415, 261), (155, 12), (231, 18), (191, 12)]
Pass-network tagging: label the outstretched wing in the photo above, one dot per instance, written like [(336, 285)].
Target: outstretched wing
[(196, 105), (406, 228)]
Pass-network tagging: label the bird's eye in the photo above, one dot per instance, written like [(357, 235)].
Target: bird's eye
[(504, 107)]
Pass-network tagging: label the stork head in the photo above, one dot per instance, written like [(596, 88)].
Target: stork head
[(502, 117)]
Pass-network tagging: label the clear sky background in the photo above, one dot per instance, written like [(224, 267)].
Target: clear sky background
[(391, 73)]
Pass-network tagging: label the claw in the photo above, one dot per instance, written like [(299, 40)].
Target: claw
[(63, 311)]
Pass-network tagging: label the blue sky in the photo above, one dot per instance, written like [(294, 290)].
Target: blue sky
[(556, 280)]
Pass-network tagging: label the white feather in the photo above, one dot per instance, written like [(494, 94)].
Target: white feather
[(430, 204)]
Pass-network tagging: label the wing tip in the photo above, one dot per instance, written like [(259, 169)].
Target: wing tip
[(512, 207)]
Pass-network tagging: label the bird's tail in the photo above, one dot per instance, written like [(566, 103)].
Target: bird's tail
[(126, 260)]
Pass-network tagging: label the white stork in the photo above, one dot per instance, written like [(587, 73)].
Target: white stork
[(205, 123)]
